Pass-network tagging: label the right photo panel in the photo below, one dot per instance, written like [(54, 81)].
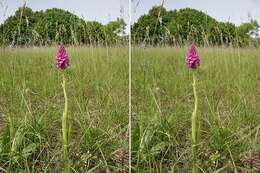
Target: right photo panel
[(195, 86)]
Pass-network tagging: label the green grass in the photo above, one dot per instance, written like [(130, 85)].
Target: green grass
[(228, 88), (31, 107)]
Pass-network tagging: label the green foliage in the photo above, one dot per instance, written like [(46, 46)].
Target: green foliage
[(228, 89), (244, 31), (56, 25), (152, 27), (20, 142), (190, 25), (160, 26), (17, 29), (113, 29), (95, 32), (31, 107)]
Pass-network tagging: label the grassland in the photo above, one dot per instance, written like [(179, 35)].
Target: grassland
[(31, 106), (229, 110)]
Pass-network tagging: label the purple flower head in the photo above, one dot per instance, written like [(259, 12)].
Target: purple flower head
[(61, 60), (192, 58)]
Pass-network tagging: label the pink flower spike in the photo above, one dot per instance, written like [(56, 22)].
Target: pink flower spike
[(192, 58), (61, 59)]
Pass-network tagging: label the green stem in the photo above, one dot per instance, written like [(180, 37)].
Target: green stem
[(65, 125), (194, 127)]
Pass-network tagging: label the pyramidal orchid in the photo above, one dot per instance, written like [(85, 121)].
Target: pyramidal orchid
[(61, 60), (62, 63), (193, 62), (192, 58)]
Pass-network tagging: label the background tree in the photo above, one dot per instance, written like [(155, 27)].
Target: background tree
[(114, 29), (151, 28), (245, 30), (17, 29), (56, 25), (182, 26), (158, 27)]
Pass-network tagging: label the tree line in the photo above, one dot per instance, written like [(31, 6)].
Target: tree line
[(158, 27), (177, 27), (27, 28)]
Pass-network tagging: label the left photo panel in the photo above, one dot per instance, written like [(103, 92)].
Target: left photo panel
[(64, 86)]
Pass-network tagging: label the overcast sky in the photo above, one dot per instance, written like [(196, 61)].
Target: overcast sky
[(235, 11)]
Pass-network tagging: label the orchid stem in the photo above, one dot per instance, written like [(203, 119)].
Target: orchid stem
[(65, 125), (194, 128)]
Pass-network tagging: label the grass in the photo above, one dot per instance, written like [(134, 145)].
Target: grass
[(228, 88), (31, 107)]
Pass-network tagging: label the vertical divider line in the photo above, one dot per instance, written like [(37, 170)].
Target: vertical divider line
[(129, 85)]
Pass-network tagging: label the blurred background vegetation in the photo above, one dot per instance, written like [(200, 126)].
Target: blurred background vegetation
[(158, 27), (27, 28), (178, 27)]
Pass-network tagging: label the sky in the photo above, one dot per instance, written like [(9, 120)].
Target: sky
[(235, 11)]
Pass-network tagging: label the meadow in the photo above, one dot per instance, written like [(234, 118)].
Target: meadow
[(228, 86), (31, 107)]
